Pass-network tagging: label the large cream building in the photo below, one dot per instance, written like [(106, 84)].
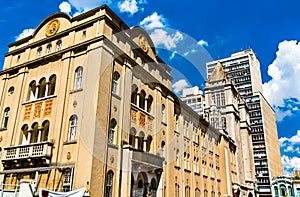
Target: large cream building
[(86, 102)]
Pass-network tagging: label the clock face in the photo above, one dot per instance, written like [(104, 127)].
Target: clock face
[(143, 43), (52, 27)]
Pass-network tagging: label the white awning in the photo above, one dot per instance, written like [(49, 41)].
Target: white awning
[(48, 193)]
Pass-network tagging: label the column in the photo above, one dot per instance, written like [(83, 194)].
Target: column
[(138, 99), (136, 142), (37, 91), (146, 104), (40, 134), (145, 145), (47, 88), (29, 136)]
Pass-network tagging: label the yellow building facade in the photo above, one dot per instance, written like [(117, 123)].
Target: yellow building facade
[(86, 102)]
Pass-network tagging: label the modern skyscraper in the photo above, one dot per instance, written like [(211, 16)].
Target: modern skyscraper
[(243, 68), (194, 98)]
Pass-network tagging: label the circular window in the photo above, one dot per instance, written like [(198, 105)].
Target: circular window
[(11, 90)]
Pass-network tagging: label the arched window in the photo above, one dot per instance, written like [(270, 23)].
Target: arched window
[(148, 144), (187, 191), (31, 91), (72, 128), (177, 157), (112, 129), (276, 190), (197, 192), (163, 148), (115, 85), (24, 135), (109, 183), (177, 123), (39, 52), (132, 137), (185, 160), (78, 78), (51, 86), (153, 187), (149, 103), (205, 193), (58, 45), (49, 49), (42, 88), (176, 190), (134, 94), (283, 190), (212, 194), (141, 141), (45, 131), (142, 99), (5, 118), (34, 133), (163, 113)]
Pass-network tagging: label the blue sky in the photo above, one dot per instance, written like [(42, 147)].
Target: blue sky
[(189, 33)]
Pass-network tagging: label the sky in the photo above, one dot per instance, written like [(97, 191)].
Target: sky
[(188, 34)]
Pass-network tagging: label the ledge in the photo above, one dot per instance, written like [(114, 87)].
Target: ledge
[(39, 99), (77, 90), (70, 142)]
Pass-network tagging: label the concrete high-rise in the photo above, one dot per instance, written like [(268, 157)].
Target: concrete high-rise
[(194, 98), (243, 68)]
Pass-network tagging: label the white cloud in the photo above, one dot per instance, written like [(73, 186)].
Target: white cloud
[(178, 86), (83, 6), (293, 140), (25, 33), (128, 6), (169, 41), (65, 7), (290, 163), (153, 21), (202, 43), (285, 71)]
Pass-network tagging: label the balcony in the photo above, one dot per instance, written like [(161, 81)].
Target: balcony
[(36, 154)]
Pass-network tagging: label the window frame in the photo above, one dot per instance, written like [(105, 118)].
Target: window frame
[(73, 125), (6, 114), (78, 78)]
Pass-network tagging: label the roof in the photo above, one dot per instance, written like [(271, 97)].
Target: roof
[(217, 74)]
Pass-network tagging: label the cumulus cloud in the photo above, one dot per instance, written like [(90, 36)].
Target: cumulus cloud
[(153, 21), (293, 140), (25, 33), (83, 6), (178, 86), (65, 7), (161, 37), (202, 43), (290, 146), (290, 163), (280, 91), (128, 6)]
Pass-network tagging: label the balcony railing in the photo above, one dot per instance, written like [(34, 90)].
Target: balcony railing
[(41, 150)]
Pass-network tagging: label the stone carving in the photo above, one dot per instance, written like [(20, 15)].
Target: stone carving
[(52, 27), (143, 43)]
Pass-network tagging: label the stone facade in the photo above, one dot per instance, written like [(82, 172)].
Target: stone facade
[(86, 102)]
